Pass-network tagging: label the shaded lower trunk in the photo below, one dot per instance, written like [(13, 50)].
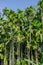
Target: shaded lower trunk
[(11, 55), (31, 56), (12, 62), (5, 57), (28, 56), (36, 56), (18, 52)]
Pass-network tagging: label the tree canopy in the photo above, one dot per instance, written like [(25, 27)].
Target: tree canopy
[(21, 36)]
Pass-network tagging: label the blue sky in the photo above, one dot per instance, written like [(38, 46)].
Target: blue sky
[(17, 4)]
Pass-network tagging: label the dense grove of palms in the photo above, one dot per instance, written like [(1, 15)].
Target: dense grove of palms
[(21, 36)]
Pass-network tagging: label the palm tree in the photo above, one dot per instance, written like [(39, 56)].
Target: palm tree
[(30, 14), (8, 14), (19, 37)]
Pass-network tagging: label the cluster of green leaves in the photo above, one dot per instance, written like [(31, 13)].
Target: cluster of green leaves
[(22, 27)]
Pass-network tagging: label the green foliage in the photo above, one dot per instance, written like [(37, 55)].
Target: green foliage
[(21, 35)]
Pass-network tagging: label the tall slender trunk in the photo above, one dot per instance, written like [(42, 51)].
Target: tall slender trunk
[(28, 53), (11, 55), (5, 56), (30, 42), (36, 54), (29, 56), (12, 62), (29, 49), (18, 52)]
